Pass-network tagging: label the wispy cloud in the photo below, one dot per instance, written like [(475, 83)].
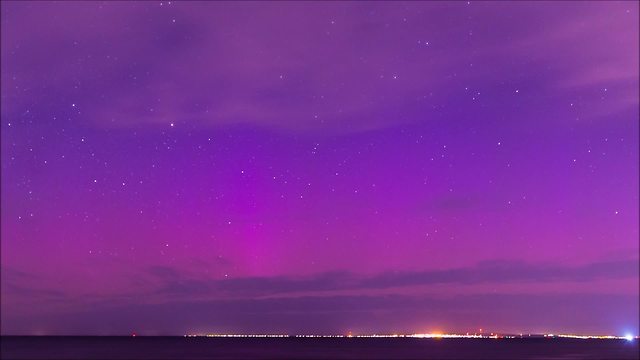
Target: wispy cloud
[(211, 78), (174, 283)]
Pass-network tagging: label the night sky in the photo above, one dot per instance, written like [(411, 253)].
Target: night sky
[(175, 167)]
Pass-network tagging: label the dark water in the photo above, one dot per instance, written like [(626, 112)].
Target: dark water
[(317, 348)]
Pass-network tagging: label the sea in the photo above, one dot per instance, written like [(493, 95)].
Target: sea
[(165, 348)]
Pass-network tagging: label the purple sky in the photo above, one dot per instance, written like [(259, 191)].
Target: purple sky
[(173, 167)]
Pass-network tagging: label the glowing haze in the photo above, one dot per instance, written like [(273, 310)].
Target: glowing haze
[(373, 167)]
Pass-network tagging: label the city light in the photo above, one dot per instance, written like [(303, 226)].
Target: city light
[(627, 337), (605, 337)]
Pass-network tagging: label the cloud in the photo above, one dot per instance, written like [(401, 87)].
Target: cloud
[(184, 303), (164, 272), (22, 285), (15, 290), (287, 67), (174, 283), (340, 314), (10, 274)]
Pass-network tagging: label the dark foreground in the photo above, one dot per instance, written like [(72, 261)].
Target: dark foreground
[(316, 348)]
